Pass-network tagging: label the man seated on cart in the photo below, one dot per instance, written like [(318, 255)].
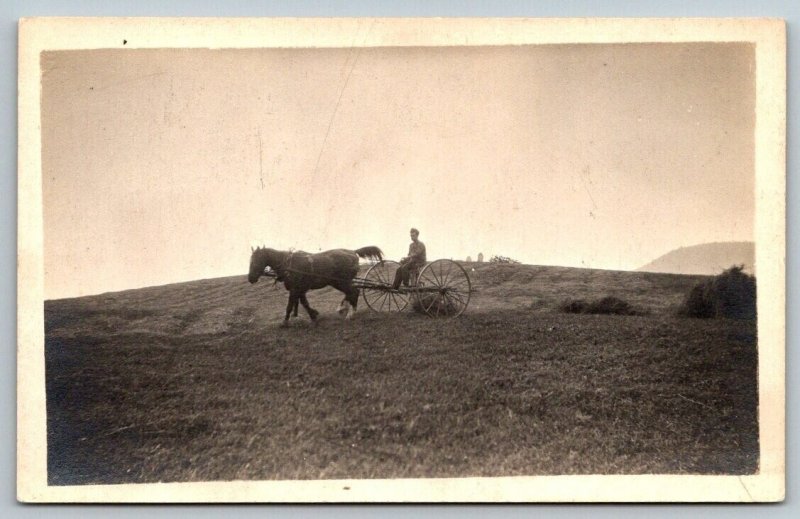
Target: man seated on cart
[(411, 263)]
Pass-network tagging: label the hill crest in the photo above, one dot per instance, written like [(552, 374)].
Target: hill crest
[(704, 259)]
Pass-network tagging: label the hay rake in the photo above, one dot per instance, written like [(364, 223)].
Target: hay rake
[(442, 288)]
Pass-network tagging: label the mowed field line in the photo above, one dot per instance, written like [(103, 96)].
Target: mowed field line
[(195, 382)]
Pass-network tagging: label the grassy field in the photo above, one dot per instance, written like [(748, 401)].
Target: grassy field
[(196, 382)]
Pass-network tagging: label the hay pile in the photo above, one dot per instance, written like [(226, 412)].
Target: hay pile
[(731, 294), (435, 302), (605, 305), (503, 259)]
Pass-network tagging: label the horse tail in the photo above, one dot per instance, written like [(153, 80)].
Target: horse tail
[(371, 252)]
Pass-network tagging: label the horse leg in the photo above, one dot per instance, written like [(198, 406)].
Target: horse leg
[(293, 297), (342, 309), (352, 298), (294, 310), (311, 312)]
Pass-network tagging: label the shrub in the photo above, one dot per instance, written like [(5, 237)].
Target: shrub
[(606, 305), (730, 294), (502, 259)]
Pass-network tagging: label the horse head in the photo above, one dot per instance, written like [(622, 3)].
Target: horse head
[(259, 260)]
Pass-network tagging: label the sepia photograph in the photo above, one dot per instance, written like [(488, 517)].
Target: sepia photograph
[(401, 260)]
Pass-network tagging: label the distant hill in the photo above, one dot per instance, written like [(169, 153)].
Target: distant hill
[(707, 258)]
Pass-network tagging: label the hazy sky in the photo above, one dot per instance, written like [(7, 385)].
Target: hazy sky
[(164, 165)]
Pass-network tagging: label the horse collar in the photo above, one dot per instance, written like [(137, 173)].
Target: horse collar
[(287, 265)]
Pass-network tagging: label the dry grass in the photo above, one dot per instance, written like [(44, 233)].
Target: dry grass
[(195, 382)]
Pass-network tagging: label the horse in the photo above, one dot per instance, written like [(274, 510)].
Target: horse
[(300, 272)]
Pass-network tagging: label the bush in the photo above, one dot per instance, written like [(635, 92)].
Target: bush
[(502, 259), (730, 294), (606, 305)]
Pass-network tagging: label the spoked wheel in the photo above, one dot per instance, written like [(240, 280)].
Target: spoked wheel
[(382, 298), (443, 289)]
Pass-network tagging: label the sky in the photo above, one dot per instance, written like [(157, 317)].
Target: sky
[(164, 165)]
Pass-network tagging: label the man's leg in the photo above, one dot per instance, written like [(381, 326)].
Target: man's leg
[(413, 270), (400, 276)]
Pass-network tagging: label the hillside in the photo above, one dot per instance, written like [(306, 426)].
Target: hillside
[(196, 382), (211, 305), (704, 259)]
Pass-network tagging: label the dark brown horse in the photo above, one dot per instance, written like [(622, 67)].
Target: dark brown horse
[(301, 272)]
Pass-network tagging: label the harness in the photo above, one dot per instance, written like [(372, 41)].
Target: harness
[(287, 264)]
